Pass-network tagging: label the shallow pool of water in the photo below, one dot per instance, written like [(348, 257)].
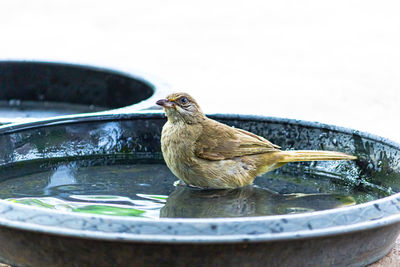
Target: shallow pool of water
[(18, 110), (148, 189)]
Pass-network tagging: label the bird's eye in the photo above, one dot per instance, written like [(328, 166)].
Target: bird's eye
[(183, 100)]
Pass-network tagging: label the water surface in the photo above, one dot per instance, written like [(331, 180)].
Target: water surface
[(17, 109), (141, 189)]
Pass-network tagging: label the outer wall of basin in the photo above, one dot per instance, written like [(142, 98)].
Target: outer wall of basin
[(22, 248)]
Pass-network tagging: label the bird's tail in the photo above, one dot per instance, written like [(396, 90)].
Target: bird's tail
[(311, 155)]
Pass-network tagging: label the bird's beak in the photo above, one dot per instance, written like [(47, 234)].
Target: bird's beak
[(165, 103)]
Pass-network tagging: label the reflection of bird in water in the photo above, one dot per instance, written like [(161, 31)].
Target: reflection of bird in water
[(205, 153), (187, 202)]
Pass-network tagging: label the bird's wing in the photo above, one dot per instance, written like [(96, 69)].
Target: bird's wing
[(219, 141)]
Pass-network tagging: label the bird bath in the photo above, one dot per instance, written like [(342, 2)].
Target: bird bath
[(30, 90), (94, 190)]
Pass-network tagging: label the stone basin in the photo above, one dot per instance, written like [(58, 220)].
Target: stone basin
[(349, 235), (30, 90)]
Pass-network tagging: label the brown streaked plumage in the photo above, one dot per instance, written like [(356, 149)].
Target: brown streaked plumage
[(205, 153)]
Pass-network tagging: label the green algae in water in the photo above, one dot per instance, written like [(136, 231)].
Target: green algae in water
[(140, 189), (110, 210)]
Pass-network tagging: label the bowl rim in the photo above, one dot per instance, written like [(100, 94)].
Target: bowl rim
[(378, 213)]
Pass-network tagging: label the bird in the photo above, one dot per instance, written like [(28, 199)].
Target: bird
[(205, 153)]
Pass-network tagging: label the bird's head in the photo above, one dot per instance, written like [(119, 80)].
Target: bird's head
[(181, 107)]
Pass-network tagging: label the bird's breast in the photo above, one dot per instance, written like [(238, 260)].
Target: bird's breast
[(177, 145)]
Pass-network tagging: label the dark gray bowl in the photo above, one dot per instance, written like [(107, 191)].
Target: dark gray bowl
[(31, 90), (349, 236)]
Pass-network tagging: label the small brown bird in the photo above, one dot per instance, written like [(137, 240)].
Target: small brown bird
[(205, 153)]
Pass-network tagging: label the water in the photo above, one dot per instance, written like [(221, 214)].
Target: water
[(17, 109), (141, 189)]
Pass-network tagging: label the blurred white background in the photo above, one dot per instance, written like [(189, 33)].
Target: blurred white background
[(335, 62)]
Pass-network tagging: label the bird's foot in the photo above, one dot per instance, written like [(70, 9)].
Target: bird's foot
[(179, 183)]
